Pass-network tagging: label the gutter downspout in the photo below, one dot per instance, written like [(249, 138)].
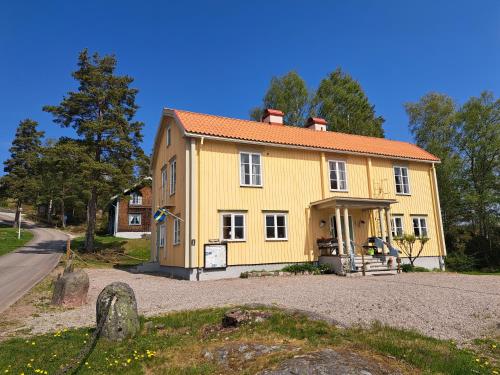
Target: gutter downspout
[(192, 238)]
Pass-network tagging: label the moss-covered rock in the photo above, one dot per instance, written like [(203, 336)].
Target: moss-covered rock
[(117, 305)]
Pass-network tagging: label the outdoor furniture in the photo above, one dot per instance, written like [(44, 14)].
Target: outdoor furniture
[(328, 246)]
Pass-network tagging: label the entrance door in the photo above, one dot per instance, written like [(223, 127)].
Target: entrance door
[(333, 227)]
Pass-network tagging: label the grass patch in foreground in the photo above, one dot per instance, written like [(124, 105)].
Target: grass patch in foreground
[(9, 241), (112, 252), (178, 347)]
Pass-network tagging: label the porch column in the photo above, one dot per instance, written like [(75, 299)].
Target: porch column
[(339, 231), (347, 231), (389, 224), (381, 216)]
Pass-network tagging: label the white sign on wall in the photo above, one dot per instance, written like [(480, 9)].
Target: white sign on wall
[(215, 256)]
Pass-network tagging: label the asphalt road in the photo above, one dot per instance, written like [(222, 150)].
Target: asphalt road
[(25, 267)]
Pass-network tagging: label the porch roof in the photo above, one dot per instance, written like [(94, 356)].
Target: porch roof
[(350, 202)]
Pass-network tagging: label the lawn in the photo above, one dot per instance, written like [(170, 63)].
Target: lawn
[(112, 252), (9, 241), (178, 342)]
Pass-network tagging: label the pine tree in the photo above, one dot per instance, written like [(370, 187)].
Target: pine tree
[(102, 111), (341, 101), (21, 182)]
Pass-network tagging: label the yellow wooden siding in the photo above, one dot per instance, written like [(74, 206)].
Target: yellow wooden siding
[(418, 203), (290, 183), (171, 255)]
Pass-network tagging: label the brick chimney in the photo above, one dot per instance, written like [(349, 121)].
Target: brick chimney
[(316, 123), (273, 116)]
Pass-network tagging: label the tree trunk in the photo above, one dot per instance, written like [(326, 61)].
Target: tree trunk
[(18, 212), (49, 212), (91, 219), (63, 219)]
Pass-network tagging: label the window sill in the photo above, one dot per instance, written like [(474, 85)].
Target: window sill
[(277, 239), (224, 240), (251, 186), (404, 194), (339, 191)]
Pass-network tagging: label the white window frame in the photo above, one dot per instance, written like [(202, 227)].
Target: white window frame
[(134, 195), (394, 227), (250, 166), (173, 175), (169, 135), (420, 219), (401, 168), (233, 214), (275, 226), (130, 218), (164, 179), (176, 240), (336, 163), (161, 228)]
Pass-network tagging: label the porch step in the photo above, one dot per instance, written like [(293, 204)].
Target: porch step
[(385, 272)]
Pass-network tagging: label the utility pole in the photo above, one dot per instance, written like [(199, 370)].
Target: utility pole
[(20, 218)]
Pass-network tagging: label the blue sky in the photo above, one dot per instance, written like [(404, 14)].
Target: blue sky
[(218, 56)]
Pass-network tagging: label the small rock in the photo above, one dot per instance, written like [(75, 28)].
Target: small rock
[(148, 327), (70, 290)]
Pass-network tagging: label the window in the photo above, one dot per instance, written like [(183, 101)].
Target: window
[(134, 219), (397, 226), (420, 226), (177, 231), (161, 235), (338, 177), (169, 136), (276, 226), (250, 169), (173, 176), (135, 199), (164, 180), (233, 226), (402, 181)]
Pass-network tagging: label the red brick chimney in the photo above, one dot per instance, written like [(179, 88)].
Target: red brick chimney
[(273, 116), (316, 123)]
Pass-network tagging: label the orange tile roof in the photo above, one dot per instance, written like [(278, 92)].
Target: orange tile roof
[(254, 131)]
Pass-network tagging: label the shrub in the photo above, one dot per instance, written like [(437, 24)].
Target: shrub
[(460, 262), (307, 267), (410, 268)]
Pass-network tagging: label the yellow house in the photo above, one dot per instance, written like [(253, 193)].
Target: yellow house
[(246, 195)]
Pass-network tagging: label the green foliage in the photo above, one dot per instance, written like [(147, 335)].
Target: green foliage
[(101, 111), (467, 139), (22, 168), (315, 269), (410, 268), (458, 261), (63, 178), (341, 101), (289, 94)]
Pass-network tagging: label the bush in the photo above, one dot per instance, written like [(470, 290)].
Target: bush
[(307, 267), (410, 268), (460, 262)]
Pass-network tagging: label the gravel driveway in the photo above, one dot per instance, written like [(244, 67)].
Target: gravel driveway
[(450, 306)]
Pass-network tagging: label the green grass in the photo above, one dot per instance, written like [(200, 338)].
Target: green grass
[(112, 252), (178, 347), (9, 241)]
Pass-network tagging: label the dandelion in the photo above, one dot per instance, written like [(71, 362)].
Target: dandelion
[(129, 360), (493, 346), (86, 363), (32, 359), (478, 360), (33, 343)]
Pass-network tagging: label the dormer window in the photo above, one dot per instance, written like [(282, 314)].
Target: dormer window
[(135, 199)]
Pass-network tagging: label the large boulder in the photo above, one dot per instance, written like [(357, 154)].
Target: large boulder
[(70, 289), (117, 305)]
